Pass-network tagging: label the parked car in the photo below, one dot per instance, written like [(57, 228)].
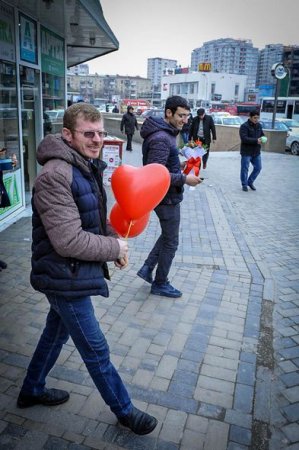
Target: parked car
[(220, 114), (267, 125), (292, 143), (233, 121), (292, 124), (55, 115), (153, 113)]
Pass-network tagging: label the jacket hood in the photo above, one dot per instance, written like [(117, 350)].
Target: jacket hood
[(153, 124), (54, 147)]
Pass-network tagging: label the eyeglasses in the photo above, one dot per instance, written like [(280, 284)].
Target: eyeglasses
[(91, 134)]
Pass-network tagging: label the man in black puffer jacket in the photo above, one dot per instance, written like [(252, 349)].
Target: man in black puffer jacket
[(160, 147), (251, 133)]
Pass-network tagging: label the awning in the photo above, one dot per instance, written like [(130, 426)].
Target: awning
[(87, 32), (80, 22)]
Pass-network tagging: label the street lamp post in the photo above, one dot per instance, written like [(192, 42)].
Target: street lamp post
[(279, 72)]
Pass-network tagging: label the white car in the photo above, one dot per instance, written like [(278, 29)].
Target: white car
[(292, 143), (233, 121), (292, 124), (55, 115)]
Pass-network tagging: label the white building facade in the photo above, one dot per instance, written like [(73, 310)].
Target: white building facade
[(201, 88)]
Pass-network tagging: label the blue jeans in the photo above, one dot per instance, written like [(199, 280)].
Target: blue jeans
[(185, 136), (77, 319), (256, 161), (167, 244)]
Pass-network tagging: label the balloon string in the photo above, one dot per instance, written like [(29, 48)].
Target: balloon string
[(126, 237), (130, 226)]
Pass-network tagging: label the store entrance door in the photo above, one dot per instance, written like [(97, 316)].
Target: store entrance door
[(31, 123)]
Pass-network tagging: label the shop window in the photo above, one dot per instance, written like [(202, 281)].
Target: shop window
[(53, 80), (9, 132)]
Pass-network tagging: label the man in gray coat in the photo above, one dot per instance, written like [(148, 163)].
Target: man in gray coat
[(71, 244)]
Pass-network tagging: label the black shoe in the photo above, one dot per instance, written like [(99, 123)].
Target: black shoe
[(49, 397), (251, 185), (139, 422), (146, 273), (165, 290), (245, 188), (3, 265), (129, 149)]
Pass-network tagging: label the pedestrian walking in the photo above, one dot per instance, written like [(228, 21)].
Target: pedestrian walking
[(202, 127), (159, 146), (185, 130), (72, 243), (128, 125), (250, 132)]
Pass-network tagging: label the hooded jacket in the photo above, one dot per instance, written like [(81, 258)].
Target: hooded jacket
[(159, 146), (71, 241)]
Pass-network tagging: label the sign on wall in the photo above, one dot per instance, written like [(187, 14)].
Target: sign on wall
[(28, 39), (7, 40), (204, 67), (52, 53)]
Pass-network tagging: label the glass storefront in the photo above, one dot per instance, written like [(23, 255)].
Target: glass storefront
[(34, 82), (31, 122), (9, 131), (53, 80)]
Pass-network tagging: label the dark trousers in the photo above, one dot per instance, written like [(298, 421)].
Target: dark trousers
[(129, 141), (206, 155), (166, 246)]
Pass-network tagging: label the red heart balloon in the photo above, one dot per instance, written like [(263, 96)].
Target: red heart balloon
[(124, 226), (138, 190)]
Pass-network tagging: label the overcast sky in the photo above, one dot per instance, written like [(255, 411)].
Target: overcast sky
[(172, 28)]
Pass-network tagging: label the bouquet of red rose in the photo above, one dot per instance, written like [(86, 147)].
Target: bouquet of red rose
[(193, 152)]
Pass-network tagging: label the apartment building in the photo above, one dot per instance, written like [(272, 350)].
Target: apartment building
[(236, 56)]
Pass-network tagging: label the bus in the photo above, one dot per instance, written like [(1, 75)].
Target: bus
[(244, 108), (235, 109), (287, 107), (223, 107), (138, 104)]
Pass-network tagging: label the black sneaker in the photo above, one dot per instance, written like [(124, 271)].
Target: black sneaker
[(165, 290), (245, 188), (251, 185), (139, 422), (49, 397), (146, 273), (3, 265)]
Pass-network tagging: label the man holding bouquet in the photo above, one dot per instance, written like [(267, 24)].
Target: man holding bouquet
[(160, 147)]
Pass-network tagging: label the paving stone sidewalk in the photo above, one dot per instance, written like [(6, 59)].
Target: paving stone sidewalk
[(219, 367)]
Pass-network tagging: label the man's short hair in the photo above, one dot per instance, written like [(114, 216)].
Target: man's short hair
[(175, 102), (86, 111), (200, 111), (254, 112)]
